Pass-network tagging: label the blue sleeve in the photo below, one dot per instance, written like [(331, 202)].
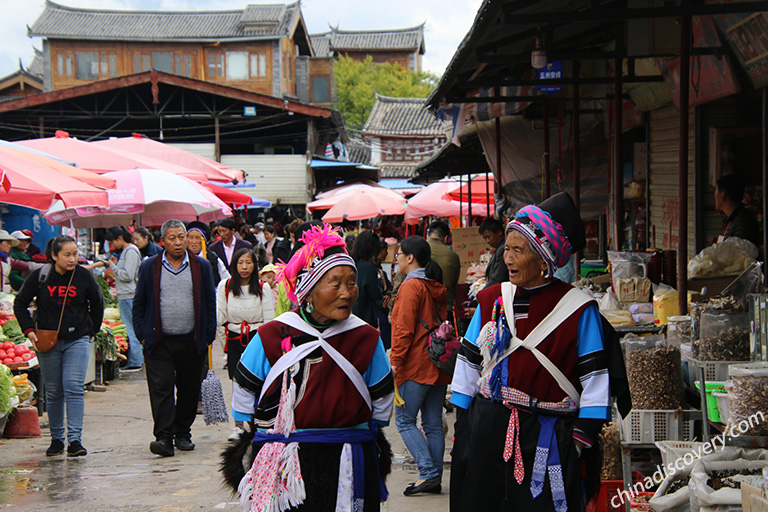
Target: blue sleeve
[(593, 366), (247, 385), (473, 331), (590, 331), (379, 367), (254, 359)]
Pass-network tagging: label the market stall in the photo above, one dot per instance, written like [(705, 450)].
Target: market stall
[(697, 430)]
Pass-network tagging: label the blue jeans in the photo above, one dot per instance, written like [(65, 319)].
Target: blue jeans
[(428, 399), (64, 369), (135, 350)]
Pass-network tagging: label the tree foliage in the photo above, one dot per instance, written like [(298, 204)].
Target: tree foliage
[(356, 83)]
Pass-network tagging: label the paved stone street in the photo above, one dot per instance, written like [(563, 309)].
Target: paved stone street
[(120, 474)]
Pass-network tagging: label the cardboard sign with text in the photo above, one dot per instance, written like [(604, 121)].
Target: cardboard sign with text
[(469, 245)]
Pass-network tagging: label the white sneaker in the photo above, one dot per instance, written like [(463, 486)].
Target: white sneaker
[(235, 435)]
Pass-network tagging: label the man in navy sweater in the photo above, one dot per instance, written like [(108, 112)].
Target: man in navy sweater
[(174, 317)]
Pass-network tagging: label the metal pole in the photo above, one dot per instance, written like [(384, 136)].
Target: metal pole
[(682, 166), (488, 196), (765, 166), (547, 190), (497, 174), (461, 199), (469, 198), (216, 139), (618, 174), (576, 156)]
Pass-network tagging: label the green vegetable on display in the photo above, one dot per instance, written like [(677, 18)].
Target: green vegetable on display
[(109, 300), (106, 345), (7, 390)]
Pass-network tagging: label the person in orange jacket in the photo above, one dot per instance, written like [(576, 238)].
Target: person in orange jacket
[(420, 306)]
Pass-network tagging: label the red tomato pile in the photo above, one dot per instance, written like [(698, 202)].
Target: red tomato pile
[(11, 353)]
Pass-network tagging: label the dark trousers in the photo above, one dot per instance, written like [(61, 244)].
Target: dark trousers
[(174, 363), (235, 350)]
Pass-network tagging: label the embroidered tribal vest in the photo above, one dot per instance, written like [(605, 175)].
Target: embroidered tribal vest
[(326, 397), (525, 371)]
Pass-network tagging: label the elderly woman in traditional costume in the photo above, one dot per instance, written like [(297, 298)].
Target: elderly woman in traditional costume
[(533, 377), (317, 384)]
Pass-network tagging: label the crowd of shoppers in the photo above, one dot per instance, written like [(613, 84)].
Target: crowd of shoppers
[(322, 346)]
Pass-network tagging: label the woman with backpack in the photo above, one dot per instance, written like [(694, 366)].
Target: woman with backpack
[(243, 304), (420, 307)]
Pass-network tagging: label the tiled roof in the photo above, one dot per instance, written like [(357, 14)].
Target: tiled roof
[(253, 21), (397, 170), (36, 66), (358, 151), (401, 116), (411, 39), (321, 44)]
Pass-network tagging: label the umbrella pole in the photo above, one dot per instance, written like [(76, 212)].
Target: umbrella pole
[(469, 199), (487, 196), (461, 204)]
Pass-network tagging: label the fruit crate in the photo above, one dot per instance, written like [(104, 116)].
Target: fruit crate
[(650, 426), (608, 489)]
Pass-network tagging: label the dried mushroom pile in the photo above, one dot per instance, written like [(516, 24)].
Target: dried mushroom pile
[(655, 380), (611, 453), (724, 336), (748, 396), (721, 330), (679, 484), (725, 477)]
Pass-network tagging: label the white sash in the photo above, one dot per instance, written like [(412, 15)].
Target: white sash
[(570, 302), (298, 353)]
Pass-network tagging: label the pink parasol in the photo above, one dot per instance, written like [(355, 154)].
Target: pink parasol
[(365, 203), (142, 146), (431, 201), (331, 197), (26, 183), (100, 159), (90, 178), (478, 191), (229, 196), (153, 194)]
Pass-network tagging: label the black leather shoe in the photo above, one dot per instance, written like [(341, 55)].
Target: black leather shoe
[(184, 444), (162, 447), (431, 486)]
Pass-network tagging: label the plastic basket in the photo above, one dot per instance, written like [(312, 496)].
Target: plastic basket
[(650, 426), (722, 405), (608, 489), (713, 370), (641, 506), (712, 411), (673, 450)]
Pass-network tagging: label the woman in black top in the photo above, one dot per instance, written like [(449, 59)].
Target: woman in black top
[(142, 239), (63, 284), (366, 307)]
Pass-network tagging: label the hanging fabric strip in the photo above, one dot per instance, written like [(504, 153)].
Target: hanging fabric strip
[(512, 444)]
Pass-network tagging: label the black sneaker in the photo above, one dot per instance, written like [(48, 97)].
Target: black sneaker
[(76, 449), (162, 447), (185, 444), (56, 448)]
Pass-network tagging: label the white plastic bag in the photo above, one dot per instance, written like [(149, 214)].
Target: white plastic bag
[(609, 302), (679, 501), (704, 498), (730, 257)]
